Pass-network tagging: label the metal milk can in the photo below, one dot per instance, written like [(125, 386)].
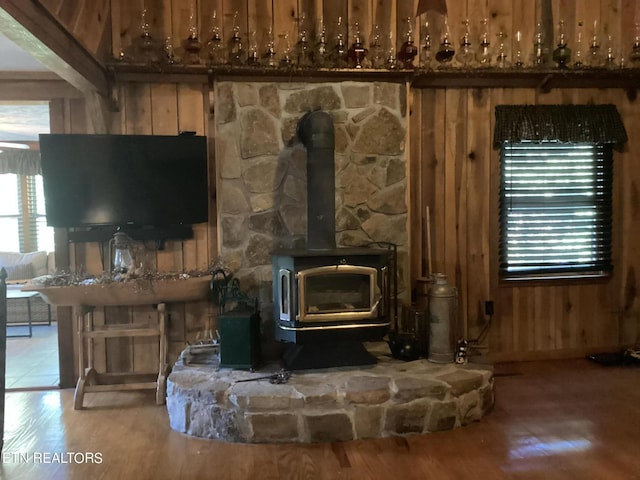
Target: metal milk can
[(443, 302)]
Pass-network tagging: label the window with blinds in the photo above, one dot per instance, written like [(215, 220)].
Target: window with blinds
[(22, 214), (555, 209)]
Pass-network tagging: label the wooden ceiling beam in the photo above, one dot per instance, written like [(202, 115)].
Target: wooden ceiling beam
[(30, 26)]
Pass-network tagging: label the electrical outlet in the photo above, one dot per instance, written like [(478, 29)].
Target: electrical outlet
[(488, 307)]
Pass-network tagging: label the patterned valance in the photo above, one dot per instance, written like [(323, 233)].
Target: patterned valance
[(21, 162), (563, 123)]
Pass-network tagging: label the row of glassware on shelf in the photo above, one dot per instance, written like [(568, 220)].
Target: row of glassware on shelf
[(382, 52)]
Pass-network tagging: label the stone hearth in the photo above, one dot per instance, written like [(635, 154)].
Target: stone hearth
[(337, 404)]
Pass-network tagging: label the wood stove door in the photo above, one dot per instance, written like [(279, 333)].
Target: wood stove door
[(338, 293)]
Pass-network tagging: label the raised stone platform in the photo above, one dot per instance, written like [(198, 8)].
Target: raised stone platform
[(336, 404)]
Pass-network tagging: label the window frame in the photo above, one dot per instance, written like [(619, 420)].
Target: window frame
[(604, 268)]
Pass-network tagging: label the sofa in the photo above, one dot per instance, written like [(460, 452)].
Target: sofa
[(20, 268)]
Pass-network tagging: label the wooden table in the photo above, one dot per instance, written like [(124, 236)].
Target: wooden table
[(85, 298), (18, 295)]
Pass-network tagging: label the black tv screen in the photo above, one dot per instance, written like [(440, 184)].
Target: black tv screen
[(124, 180)]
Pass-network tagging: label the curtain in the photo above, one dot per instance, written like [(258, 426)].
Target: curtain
[(563, 123), (21, 162)]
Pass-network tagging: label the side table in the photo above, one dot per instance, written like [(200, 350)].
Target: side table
[(18, 295)]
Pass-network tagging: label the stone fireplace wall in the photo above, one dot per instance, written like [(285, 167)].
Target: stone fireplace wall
[(261, 171)]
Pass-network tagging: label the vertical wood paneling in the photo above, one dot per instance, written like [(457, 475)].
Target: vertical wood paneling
[(416, 181), (285, 22), (438, 108), (452, 166), (360, 13), (384, 16), (259, 15), (478, 158)]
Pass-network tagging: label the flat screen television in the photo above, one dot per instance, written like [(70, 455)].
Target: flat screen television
[(124, 181)]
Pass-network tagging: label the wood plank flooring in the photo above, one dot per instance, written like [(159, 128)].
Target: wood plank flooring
[(553, 420)]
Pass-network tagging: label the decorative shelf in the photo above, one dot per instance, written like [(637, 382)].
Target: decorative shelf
[(449, 77)]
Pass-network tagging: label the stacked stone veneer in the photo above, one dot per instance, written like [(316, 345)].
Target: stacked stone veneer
[(261, 170), (390, 398)]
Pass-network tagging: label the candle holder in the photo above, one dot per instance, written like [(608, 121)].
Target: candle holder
[(357, 53), (339, 52), (253, 57), (191, 44), (562, 53), (465, 55), (269, 59), (408, 50), (376, 49), (303, 50), (502, 59), (595, 55), (483, 57), (215, 44), (610, 57), (391, 59), (578, 61), (445, 52), (634, 56), (286, 59), (235, 48), (320, 50), (426, 53), (518, 58), (540, 50)]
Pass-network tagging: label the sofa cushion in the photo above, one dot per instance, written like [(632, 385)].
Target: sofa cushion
[(19, 272), (38, 260)]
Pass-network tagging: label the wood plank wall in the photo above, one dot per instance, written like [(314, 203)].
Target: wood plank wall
[(453, 167)]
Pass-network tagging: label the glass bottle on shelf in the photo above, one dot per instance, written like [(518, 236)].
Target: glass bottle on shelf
[(144, 45), (253, 57), (540, 51), (303, 51), (595, 56), (484, 50), (502, 58), (518, 58), (376, 49), (578, 58), (270, 52), (634, 56), (610, 56), (408, 50), (357, 53), (236, 48), (465, 55), (215, 45), (426, 54), (169, 51), (339, 51), (391, 59), (562, 53), (286, 59), (191, 44), (445, 52), (320, 51)]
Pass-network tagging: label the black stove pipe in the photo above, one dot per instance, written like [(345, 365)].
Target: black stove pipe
[(315, 131)]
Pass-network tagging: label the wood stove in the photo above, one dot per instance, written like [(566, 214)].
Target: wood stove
[(328, 300)]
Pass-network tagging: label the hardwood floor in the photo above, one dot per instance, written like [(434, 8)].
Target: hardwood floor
[(552, 420)]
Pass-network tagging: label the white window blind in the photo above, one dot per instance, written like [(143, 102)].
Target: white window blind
[(22, 215), (555, 209)]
